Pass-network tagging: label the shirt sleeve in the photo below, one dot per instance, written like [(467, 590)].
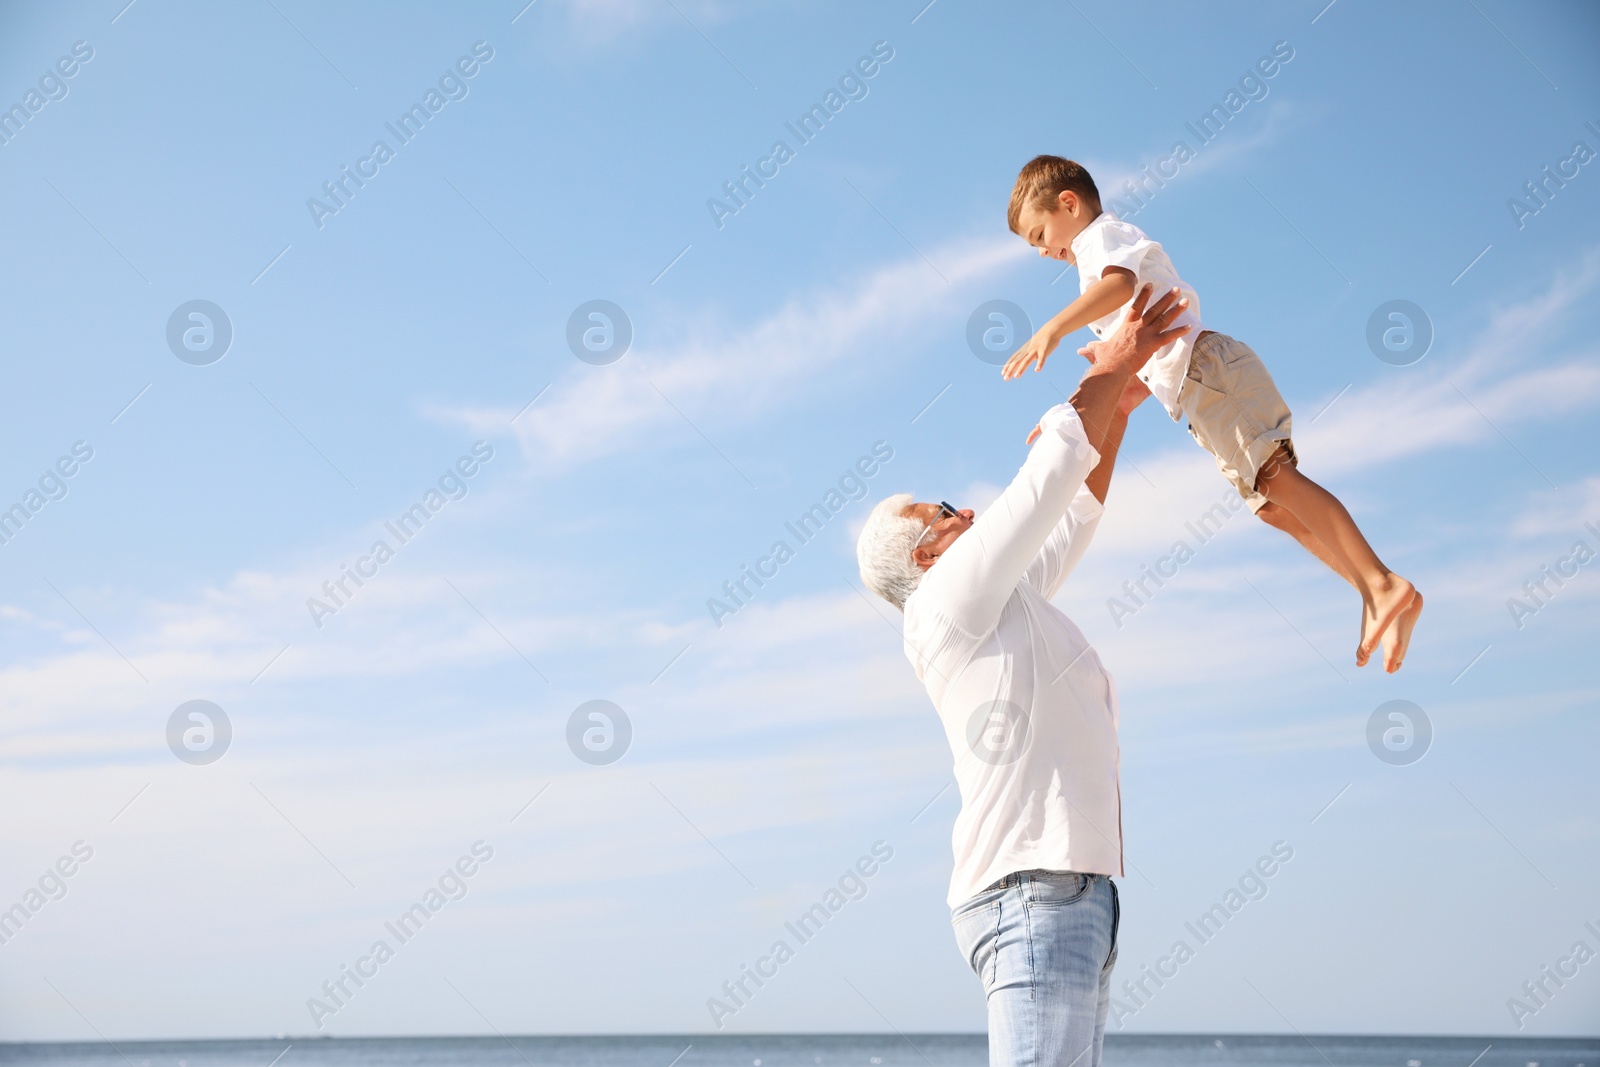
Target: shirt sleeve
[(1066, 544), (972, 581), (1112, 245)]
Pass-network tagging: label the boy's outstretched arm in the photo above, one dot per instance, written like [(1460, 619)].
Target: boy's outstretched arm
[(1114, 289), (1105, 392)]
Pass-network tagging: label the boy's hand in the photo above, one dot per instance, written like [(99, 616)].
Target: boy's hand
[(1036, 351)]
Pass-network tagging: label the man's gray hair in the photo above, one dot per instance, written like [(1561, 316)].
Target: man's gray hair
[(883, 550)]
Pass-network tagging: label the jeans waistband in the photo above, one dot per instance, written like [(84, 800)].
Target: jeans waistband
[(1016, 878)]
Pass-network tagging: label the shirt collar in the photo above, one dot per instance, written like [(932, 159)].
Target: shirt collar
[(1083, 234)]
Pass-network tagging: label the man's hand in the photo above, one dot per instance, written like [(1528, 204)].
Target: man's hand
[(1136, 392), (1145, 330), (1101, 391), (1116, 360), (1035, 352)]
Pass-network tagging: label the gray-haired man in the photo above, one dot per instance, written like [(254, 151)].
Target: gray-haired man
[(1029, 712)]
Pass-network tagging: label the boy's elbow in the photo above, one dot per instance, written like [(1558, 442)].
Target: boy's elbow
[(1122, 281)]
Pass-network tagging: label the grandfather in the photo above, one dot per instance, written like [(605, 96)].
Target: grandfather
[(1029, 712)]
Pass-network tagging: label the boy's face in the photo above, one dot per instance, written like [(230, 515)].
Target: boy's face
[(1051, 232)]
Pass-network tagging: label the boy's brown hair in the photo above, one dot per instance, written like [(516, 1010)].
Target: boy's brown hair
[(1042, 182)]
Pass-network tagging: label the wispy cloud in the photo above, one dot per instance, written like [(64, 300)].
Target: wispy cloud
[(734, 373), (1230, 148), (412, 623), (602, 22), (1496, 382), (1560, 511)]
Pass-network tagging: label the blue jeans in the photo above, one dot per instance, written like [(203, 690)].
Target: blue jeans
[(1043, 943)]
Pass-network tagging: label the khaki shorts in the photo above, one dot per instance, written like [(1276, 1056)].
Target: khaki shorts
[(1234, 411)]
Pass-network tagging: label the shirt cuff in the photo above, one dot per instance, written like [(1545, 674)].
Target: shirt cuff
[(1063, 420), (1085, 508)]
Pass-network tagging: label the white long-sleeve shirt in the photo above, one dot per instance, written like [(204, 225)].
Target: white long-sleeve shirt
[(1030, 713)]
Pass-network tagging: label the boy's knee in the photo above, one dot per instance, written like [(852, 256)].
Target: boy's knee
[(1277, 462), (1277, 466)]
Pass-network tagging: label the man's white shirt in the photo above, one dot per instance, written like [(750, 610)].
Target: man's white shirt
[(1030, 713), (1110, 242)]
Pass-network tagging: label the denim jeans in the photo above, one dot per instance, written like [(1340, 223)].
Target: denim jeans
[(1043, 944)]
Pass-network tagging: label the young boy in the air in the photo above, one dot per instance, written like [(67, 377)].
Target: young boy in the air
[(1217, 383)]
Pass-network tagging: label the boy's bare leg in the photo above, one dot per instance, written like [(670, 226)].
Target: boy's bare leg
[(1393, 647), (1384, 595)]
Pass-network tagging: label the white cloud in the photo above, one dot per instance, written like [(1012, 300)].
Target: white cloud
[(1463, 399), (1226, 149), (601, 22), (742, 372), (409, 622), (1560, 511)]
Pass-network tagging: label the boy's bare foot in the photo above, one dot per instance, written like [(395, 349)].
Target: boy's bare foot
[(1398, 636), (1388, 601)]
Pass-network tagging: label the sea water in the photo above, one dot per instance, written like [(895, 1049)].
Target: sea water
[(805, 1050)]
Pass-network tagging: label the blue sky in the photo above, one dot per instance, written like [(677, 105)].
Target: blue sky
[(769, 354)]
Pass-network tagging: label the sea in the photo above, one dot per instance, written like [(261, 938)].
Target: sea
[(805, 1050)]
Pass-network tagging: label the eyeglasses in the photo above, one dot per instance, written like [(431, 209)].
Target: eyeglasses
[(946, 511)]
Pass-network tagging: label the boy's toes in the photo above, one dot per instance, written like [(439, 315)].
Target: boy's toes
[(1392, 657), (1391, 653), (1369, 640)]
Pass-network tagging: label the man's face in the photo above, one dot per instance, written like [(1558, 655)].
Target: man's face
[(943, 529), (1051, 232)]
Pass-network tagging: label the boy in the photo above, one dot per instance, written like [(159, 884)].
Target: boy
[(1219, 384)]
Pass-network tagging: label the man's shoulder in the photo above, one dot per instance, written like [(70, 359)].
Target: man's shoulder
[(929, 619), (915, 612)]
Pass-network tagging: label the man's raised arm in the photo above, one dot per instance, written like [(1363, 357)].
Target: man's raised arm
[(1099, 480), (977, 575), (1145, 330), (1070, 539)]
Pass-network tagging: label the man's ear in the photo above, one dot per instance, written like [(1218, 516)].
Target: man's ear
[(922, 557)]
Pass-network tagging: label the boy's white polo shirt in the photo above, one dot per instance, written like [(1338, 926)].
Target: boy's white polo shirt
[(1110, 242)]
